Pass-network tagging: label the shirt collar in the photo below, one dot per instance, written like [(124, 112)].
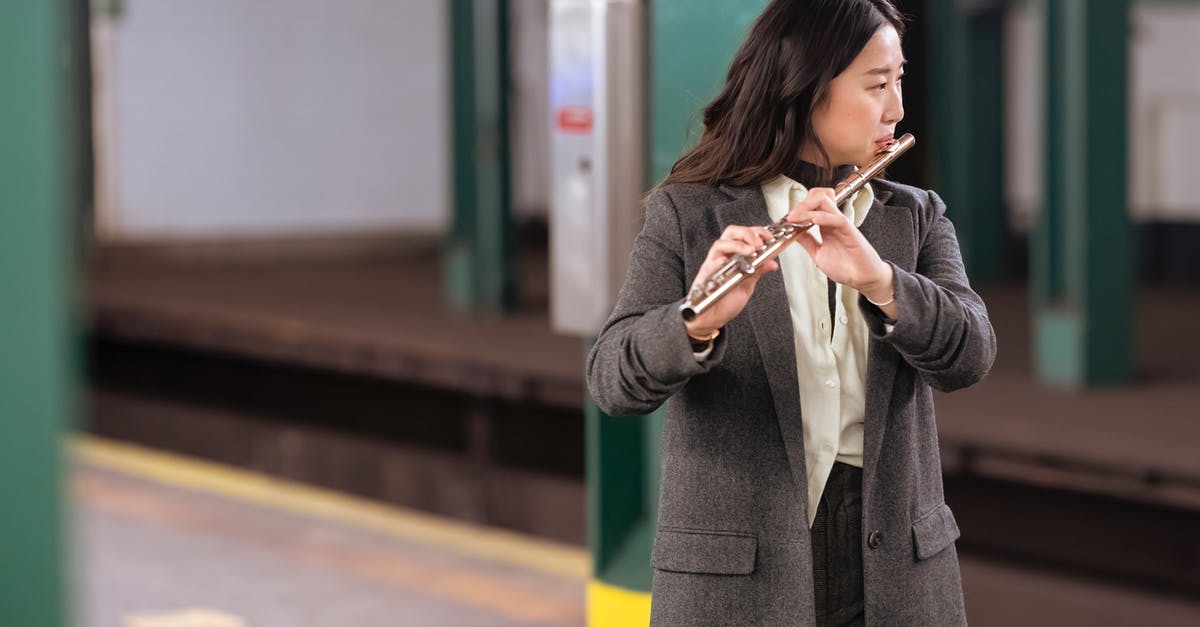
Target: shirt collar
[(790, 191)]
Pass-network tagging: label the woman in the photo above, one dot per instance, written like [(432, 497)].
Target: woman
[(801, 482)]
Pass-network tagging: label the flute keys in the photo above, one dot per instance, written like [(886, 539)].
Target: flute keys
[(780, 229), (745, 264)]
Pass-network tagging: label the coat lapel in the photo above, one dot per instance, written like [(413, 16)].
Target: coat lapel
[(889, 229), (768, 313)]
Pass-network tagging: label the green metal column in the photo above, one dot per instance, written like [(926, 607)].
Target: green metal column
[(38, 189), (1083, 251), (480, 273), (967, 107), (622, 501), (684, 78)]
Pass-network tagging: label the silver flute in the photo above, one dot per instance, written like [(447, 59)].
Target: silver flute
[(740, 267)]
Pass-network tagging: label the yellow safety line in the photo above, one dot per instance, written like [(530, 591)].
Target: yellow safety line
[(611, 606), (507, 546)]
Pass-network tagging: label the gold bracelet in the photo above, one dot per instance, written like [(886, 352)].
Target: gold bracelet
[(703, 340), (889, 301)]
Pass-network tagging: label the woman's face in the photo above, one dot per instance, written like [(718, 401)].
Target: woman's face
[(863, 105)]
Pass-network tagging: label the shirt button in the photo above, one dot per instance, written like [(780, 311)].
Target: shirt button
[(843, 319), (830, 383), (828, 448)]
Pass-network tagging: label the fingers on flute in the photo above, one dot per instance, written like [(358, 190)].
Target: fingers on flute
[(808, 243), (766, 268), (750, 236), (818, 199), (822, 193), (824, 218), (729, 247)]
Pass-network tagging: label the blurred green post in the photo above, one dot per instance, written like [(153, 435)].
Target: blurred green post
[(966, 95), (622, 500), (38, 192), (480, 270), (1082, 253)]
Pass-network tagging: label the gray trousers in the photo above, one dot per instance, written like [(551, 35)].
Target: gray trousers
[(837, 549)]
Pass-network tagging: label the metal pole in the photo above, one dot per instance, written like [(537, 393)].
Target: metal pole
[(480, 272)]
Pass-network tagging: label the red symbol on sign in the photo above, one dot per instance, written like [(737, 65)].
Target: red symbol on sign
[(575, 119)]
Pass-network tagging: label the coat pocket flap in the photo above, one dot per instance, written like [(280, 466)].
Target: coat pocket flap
[(934, 531), (711, 552)]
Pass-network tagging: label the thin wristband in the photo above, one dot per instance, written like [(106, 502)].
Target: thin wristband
[(891, 299), (708, 338)]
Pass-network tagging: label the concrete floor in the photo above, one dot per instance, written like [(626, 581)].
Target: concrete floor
[(149, 553), (155, 555)]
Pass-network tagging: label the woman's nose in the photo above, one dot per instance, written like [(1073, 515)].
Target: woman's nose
[(895, 111)]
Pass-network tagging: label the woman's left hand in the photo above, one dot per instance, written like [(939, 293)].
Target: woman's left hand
[(842, 253)]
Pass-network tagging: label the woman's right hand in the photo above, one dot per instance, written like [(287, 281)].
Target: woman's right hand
[(735, 240)]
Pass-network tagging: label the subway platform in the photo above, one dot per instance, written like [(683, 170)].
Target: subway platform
[(166, 541), (352, 375), (162, 540)]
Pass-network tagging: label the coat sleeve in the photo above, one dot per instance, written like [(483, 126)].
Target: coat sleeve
[(642, 355), (943, 330)]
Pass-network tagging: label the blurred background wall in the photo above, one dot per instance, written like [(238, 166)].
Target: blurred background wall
[(232, 118), (1164, 95), (237, 118), (241, 118)]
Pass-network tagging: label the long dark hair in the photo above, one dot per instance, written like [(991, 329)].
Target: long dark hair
[(757, 125)]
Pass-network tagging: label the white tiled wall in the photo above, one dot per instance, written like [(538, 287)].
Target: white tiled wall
[(251, 117)]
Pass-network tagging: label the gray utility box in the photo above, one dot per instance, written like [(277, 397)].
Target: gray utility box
[(596, 155)]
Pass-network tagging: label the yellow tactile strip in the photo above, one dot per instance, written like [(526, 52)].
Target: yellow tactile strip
[(514, 548)]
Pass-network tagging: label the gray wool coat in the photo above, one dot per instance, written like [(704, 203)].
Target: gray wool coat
[(732, 545)]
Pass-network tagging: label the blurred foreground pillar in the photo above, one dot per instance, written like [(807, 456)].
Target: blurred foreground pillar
[(37, 195), (480, 273), (1082, 263)]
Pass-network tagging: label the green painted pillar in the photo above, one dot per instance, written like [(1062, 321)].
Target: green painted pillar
[(622, 502), (480, 270), (967, 126), (38, 192), (684, 78), (1082, 257)]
